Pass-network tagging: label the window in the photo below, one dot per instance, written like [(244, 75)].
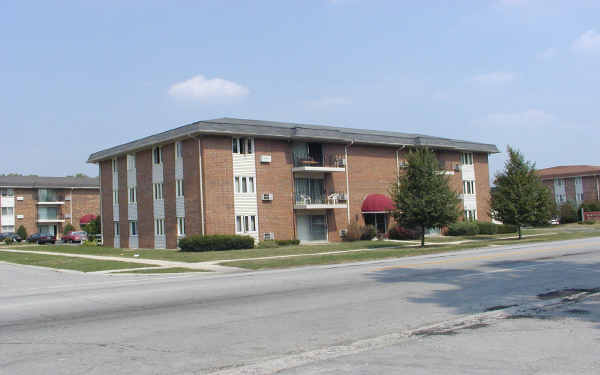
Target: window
[(468, 187), (579, 196), (559, 181), (132, 195), (133, 228), (158, 191), (117, 230), (7, 192), (244, 184), (8, 229), (115, 197), (159, 227), (245, 224), (243, 145), (179, 188), (466, 158), (470, 215), (157, 155), (178, 150), (115, 166), (130, 161), (8, 211), (181, 226)]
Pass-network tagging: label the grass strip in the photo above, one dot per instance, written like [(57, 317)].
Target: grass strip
[(67, 263)]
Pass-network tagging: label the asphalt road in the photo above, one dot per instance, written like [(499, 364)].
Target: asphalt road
[(475, 311)]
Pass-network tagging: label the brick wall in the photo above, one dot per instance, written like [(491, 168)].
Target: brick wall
[(169, 195), (335, 182), (27, 208), (570, 188), (84, 201), (276, 177), (143, 164), (482, 186), (448, 160), (217, 166), (123, 202), (590, 189), (191, 186), (107, 203)]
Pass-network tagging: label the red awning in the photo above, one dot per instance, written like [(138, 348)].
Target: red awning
[(377, 203), (87, 218)]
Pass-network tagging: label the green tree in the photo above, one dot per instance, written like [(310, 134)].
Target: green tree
[(568, 213), (423, 196), (93, 228), (68, 228), (520, 198), (22, 232)]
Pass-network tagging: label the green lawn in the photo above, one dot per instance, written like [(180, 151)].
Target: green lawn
[(165, 270), (67, 263)]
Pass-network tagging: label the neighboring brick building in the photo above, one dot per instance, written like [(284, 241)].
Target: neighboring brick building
[(266, 179), (573, 183), (46, 204)]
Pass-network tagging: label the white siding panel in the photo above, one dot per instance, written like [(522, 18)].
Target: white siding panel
[(470, 202), (133, 242), (159, 209), (468, 172), (8, 220), (244, 164), (160, 242), (132, 212), (180, 207), (117, 242), (115, 181), (131, 177), (7, 202), (245, 204), (157, 173), (179, 168), (115, 212)]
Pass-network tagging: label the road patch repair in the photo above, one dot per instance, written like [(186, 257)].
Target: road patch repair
[(550, 305)]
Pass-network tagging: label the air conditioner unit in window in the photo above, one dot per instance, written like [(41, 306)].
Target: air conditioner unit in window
[(268, 236), (267, 196), (343, 232), (342, 197), (67, 216), (265, 158)]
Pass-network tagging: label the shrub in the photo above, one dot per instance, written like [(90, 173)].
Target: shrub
[(216, 242), (267, 244), (8, 241), (354, 231), (368, 232), (487, 227), (400, 233), (463, 228), (22, 232), (588, 222), (587, 207), (68, 228), (507, 228), (568, 213), (287, 242)]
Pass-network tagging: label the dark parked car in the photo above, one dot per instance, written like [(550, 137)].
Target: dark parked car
[(11, 235), (40, 238), (75, 237)]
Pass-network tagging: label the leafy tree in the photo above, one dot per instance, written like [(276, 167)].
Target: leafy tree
[(93, 228), (568, 212), (22, 232), (68, 228), (520, 198), (423, 196)]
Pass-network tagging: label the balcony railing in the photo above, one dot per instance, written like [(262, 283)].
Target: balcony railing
[(328, 163), (59, 218), (324, 200)]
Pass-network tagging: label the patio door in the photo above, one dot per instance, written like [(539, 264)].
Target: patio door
[(311, 228)]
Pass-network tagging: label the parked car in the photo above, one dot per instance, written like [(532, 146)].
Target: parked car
[(554, 221), (75, 237), (10, 235), (40, 238)]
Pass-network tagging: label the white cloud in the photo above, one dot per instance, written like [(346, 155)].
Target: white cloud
[(494, 78), (588, 42), (202, 89), (519, 120), (547, 54), (329, 101)]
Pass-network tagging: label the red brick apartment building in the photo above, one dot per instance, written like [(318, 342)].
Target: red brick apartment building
[(46, 204), (269, 180), (573, 183)]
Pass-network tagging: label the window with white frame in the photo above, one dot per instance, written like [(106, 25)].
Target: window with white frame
[(470, 215), (132, 195), (181, 226), (158, 191), (579, 196), (242, 145), (8, 211), (244, 184), (7, 192), (8, 228), (115, 197), (179, 188), (559, 181), (157, 155), (159, 227), (468, 187), (178, 150), (466, 158), (133, 230), (130, 161), (245, 224), (115, 166), (116, 226)]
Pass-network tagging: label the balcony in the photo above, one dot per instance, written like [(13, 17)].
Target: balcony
[(316, 163), (50, 219), (50, 203), (320, 201), (49, 197)]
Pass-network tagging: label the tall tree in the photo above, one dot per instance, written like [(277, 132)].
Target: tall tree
[(423, 196), (520, 198)]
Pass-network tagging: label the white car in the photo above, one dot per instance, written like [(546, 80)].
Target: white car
[(554, 222)]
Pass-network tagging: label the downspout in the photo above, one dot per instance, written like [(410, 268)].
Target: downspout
[(347, 180)]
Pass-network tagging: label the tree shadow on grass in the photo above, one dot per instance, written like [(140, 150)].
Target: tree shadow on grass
[(501, 284)]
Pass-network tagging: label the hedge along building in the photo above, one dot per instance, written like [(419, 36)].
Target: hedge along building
[(269, 180)]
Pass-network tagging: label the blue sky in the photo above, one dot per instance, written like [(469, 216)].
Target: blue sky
[(78, 77)]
